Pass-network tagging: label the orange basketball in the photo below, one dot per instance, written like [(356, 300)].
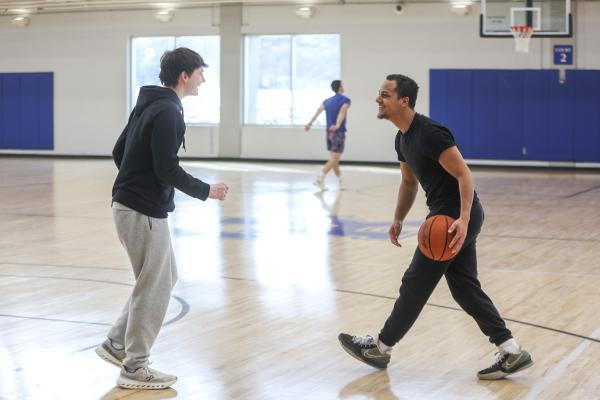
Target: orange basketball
[(434, 239)]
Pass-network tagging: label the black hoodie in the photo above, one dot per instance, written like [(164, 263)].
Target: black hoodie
[(146, 155)]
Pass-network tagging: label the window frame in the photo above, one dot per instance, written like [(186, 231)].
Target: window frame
[(292, 80), (130, 76)]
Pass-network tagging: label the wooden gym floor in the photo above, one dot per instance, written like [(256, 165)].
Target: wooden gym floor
[(269, 278)]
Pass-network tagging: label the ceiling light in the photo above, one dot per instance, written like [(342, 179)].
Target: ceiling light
[(164, 15), (305, 12), (21, 21), (460, 9)]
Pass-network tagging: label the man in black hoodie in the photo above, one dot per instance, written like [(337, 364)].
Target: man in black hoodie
[(146, 156)]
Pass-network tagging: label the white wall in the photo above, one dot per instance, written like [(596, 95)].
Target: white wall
[(588, 35), (89, 54)]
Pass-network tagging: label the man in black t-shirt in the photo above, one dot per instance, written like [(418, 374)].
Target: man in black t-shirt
[(428, 155)]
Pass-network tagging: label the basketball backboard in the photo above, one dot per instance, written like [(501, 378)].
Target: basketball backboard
[(549, 18)]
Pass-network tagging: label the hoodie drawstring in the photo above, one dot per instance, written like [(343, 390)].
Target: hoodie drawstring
[(183, 117)]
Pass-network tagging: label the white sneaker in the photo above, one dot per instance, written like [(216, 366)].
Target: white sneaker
[(341, 184), (319, 183), (110, 354), (145, 378)]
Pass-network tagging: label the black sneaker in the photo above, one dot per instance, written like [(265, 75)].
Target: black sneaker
[(506, 364), (364, 349)]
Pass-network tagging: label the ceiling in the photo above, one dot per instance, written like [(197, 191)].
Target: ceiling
[(27, 7)]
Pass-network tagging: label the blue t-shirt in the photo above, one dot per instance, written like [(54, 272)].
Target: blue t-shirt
[(332, 109)]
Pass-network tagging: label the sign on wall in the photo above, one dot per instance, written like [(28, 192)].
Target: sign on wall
[(563, 54)]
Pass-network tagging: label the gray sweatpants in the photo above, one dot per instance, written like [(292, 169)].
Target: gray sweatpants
[(148, 243)]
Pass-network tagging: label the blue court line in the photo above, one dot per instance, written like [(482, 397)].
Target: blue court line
[(185, 307), (66, 279), (447, 308), (537, 238), (54, 320), (581, 192), (251, 228), (461, 310), (18, 214), (65, 266)]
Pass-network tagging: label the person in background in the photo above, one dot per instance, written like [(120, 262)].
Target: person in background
[(336, 111)]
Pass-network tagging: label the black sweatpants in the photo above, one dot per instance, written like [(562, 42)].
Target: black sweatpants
[(423, 275)]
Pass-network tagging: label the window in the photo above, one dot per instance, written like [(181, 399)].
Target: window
[(145, 67), (287, 77)]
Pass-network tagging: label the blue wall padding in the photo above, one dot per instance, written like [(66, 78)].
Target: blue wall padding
[(520, 114), (586, 139), (27, 111)]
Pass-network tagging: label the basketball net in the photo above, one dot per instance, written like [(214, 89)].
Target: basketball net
[(522, 34)]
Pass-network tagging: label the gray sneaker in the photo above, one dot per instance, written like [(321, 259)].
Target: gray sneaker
[(506, 364), (110, 354), (364, 349), (144, 378)]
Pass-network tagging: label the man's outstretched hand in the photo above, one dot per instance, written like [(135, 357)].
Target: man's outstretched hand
[(218, 191)]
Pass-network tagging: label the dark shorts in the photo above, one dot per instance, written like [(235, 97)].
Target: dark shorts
[(335, 141)]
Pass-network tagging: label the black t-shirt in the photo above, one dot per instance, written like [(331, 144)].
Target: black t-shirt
[(420, 147)]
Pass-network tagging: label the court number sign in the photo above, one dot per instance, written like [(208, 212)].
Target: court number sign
[(563, 54)]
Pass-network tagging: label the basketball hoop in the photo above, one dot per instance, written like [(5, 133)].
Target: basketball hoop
[(522, 34)]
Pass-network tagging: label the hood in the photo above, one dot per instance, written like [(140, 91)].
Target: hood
[(150, 94)]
